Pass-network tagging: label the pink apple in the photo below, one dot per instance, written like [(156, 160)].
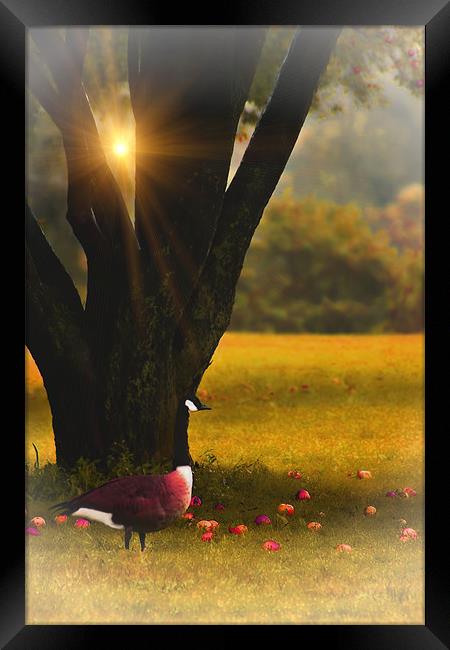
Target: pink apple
[(271, 545), (303, 495), (262, 519), (82, 523), (32, 531)]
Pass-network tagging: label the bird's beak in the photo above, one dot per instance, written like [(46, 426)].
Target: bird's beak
[(204, 408)]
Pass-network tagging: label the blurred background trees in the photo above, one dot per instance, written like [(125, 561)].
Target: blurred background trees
[(340, 245)]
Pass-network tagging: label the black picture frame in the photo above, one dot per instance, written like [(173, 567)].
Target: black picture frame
[(18, 15)]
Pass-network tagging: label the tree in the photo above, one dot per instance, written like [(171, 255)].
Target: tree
[(159, 294)]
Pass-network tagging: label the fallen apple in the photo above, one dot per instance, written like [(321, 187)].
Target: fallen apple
[(60, 519), (314, 525), (262, 519), (32, 531), (82, 523), (370, 511), (271, 545), (240, 529), (38, 522), (363, 473), (196, 502), (344, 548), (207, 537), (302, 495), (286, 509)]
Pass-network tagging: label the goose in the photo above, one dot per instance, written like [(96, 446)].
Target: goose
[(145, 503)]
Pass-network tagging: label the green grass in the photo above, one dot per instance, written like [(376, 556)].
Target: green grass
[(363, 409)]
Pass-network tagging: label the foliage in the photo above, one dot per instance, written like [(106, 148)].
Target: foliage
[(363, 156), (317, 266), (354, 72)]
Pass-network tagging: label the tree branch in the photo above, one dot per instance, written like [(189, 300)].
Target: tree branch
[(49, 268), (188, 89), (209, 310), (280, 124), (90, 181)]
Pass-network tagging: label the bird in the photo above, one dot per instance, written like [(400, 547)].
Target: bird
[(144, 503)]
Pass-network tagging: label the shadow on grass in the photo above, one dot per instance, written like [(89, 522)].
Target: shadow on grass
[(245, 489)]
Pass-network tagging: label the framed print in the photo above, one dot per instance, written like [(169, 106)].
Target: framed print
[(230, 305)]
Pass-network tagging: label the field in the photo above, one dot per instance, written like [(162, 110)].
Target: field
[(324, 405)]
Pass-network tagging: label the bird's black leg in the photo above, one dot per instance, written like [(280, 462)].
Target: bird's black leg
[(128, 533), (142, 540)]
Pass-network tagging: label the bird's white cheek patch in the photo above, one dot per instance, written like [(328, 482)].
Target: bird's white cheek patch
[(97, 515), (191, 406)]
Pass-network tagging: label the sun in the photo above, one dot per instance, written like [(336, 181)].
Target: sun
[(120, 149)]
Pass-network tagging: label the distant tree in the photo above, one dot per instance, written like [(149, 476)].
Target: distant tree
[(160, 291), (317, 266), (402, 219)]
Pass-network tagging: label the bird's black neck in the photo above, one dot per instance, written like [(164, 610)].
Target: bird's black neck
[(181, 454)]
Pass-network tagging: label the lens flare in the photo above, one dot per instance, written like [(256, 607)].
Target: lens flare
[(120, 149)]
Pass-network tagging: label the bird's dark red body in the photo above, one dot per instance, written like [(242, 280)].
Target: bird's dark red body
[(140, 503)]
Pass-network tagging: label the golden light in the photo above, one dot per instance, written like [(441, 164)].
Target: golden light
[(120, 149)]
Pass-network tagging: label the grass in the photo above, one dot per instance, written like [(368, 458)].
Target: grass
[(362, 409)]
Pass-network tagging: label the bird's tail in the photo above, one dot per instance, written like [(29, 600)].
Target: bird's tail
[(63, 508)]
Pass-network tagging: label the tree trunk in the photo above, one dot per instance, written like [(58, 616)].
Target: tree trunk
[(160, 296)]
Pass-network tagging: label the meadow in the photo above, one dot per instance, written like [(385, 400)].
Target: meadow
[(327, 406)]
